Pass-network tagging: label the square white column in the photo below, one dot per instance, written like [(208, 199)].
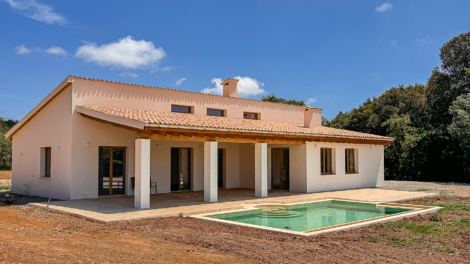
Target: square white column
[(142, 174), (261, 170), (210, 171)]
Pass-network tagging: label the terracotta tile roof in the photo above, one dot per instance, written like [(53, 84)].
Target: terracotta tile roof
[(181, 120), (182, 91)]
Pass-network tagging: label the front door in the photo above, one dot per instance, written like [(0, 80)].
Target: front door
[(180, 169), (112, 171), (280, 169)]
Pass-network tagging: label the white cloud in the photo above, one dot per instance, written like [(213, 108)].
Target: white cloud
[(56, 51), (129, 74), (311, 101), (167, 68), (37, 11), (246, 86), (22, 50), (384, 7), (393, 43), (180, 81), (126, 53)]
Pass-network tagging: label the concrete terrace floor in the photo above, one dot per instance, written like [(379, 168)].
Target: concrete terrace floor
[(117, 208)]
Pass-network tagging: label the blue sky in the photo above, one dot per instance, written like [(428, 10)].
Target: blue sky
[(333, 54)]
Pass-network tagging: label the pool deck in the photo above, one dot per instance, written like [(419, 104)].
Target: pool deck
[(120, 208)]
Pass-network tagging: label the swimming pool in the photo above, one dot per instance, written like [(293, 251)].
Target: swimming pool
[(311, 216)]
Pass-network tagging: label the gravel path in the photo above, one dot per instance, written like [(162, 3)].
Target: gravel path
[(451, 188)]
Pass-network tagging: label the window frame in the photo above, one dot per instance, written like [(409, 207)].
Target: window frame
[(190, 109), (223, 112), (257, 116), (324, 162), (46, 162), (348, 161)]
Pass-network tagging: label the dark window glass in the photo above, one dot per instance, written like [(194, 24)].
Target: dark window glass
[(47, 160), (250, 115), (325, 155), (112, 167), (215, 112), (180, 109), (350, 161)]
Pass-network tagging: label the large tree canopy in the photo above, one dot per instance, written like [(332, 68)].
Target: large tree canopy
[(430, 123)]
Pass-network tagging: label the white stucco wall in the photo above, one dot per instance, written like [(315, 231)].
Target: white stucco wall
[(51, 127), (370, 167), (247, 166), (85, 158)]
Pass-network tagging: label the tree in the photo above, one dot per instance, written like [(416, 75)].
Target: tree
[(5, 144), (459, 128), (274, 99), (430, 123), (449, 81), (340, 121)]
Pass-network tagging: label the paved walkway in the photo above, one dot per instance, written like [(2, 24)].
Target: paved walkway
[(108, 209)]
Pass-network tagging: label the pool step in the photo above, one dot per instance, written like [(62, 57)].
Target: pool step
[(280, 214)]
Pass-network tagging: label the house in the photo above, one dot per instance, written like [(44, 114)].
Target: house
[(91, 138)]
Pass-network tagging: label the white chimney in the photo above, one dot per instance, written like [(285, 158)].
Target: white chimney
[(312, 117), (230, 87)]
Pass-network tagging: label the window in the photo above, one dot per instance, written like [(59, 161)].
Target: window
[(46, 162), (350, 160), (248, 115), (181, 109), (215, 112), (326, 161)]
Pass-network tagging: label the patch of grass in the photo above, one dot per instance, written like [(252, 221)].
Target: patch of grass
[(444, 193), (435, 218), (444, 249), (422, 190), (451, 207), (460, 223), (5, 188), (418, 229), (374, 240), (403, 241)]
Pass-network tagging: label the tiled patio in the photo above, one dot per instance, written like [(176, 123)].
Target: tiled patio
[(108, 209)]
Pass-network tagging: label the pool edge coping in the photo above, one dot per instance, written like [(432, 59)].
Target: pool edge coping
[(416, 211)]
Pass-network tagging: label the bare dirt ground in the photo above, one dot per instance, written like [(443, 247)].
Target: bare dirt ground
[(460, 189), (29, 234)]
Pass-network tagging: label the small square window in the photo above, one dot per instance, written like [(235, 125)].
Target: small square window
[(215, 112), (181, 109), (46, 162), (326, 161), (248, 115)]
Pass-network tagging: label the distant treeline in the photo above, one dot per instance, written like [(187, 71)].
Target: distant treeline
[(430, 122), (5, 144)]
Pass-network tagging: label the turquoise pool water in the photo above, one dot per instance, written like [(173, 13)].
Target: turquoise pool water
[(308, 216)]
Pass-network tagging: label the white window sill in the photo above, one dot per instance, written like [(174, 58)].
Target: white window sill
[(45, 178)]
